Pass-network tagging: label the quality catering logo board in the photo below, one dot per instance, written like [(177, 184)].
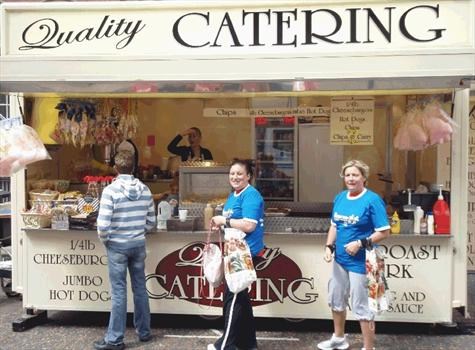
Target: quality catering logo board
[(180, 277), (241, 28)]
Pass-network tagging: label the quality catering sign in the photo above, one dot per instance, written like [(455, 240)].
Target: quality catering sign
[(178, 276), (239, 28)]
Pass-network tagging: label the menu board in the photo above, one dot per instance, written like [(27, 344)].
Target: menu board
[(352, 121)]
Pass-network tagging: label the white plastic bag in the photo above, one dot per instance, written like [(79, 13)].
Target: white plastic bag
[(20, 145), (213, 264), (238, 267), (379, 297)]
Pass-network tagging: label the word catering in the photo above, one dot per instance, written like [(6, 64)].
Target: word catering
[(298, 27), (45, 33)]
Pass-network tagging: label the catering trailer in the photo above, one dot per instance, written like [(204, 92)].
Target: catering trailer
[(230, 68)]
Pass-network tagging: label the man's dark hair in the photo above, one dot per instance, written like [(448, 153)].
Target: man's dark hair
[(124, 162)]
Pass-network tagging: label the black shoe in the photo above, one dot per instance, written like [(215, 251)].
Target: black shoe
[(146, 339), (102, 345)]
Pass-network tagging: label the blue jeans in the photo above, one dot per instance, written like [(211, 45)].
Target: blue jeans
[(120, 257)]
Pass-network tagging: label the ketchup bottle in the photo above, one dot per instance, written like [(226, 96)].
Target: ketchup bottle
[(441, 215)]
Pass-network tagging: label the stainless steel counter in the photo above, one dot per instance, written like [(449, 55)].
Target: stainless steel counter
[(267, 233)]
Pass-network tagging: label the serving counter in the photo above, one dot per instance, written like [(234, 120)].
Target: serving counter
[(67, 270)]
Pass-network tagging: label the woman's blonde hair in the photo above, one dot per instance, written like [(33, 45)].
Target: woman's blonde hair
[(360, 165)]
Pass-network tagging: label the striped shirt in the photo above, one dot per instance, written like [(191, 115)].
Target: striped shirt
[(126, 211)]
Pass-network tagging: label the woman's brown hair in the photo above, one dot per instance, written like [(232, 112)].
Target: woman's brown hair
[(248, 164)]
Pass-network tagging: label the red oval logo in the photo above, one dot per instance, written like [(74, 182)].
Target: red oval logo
[(179, 274)]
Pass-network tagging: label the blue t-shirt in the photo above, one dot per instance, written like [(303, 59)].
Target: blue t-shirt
[(356, 218), (248, 204)]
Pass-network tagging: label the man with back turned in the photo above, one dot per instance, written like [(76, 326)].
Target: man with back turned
[(126, 213)]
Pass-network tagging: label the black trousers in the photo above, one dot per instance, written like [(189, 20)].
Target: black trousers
[(239, 323)]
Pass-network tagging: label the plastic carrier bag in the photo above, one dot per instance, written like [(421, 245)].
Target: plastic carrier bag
[(238, 267), (213, 262), (379, 297), (20, 145)]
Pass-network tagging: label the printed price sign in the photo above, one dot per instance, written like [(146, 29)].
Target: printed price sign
[(352, 122)]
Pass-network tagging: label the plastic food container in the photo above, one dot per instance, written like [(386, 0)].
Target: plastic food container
[(43, 195), (33, 220)]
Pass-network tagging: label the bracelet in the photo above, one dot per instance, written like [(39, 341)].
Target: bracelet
[(331, 247), (228, 222), (366, 243), (362, 243), (369, 243)]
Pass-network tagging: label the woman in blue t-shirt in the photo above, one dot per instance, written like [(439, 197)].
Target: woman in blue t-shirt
[(358, 220), (243, 210)]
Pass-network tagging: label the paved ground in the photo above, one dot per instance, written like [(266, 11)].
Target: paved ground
[(77, 331)]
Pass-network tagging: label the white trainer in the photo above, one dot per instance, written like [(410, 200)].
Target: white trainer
[(334, 343), (210, 347)]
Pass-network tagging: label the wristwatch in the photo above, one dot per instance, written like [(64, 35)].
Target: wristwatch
[(228, 222)]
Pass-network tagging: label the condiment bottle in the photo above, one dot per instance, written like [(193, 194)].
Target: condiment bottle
[(441, 215), (395, 224), (418, 215), (430, 223), (164, 213), (208, 214)]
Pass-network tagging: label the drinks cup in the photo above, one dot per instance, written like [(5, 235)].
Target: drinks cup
[(182, 214)]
